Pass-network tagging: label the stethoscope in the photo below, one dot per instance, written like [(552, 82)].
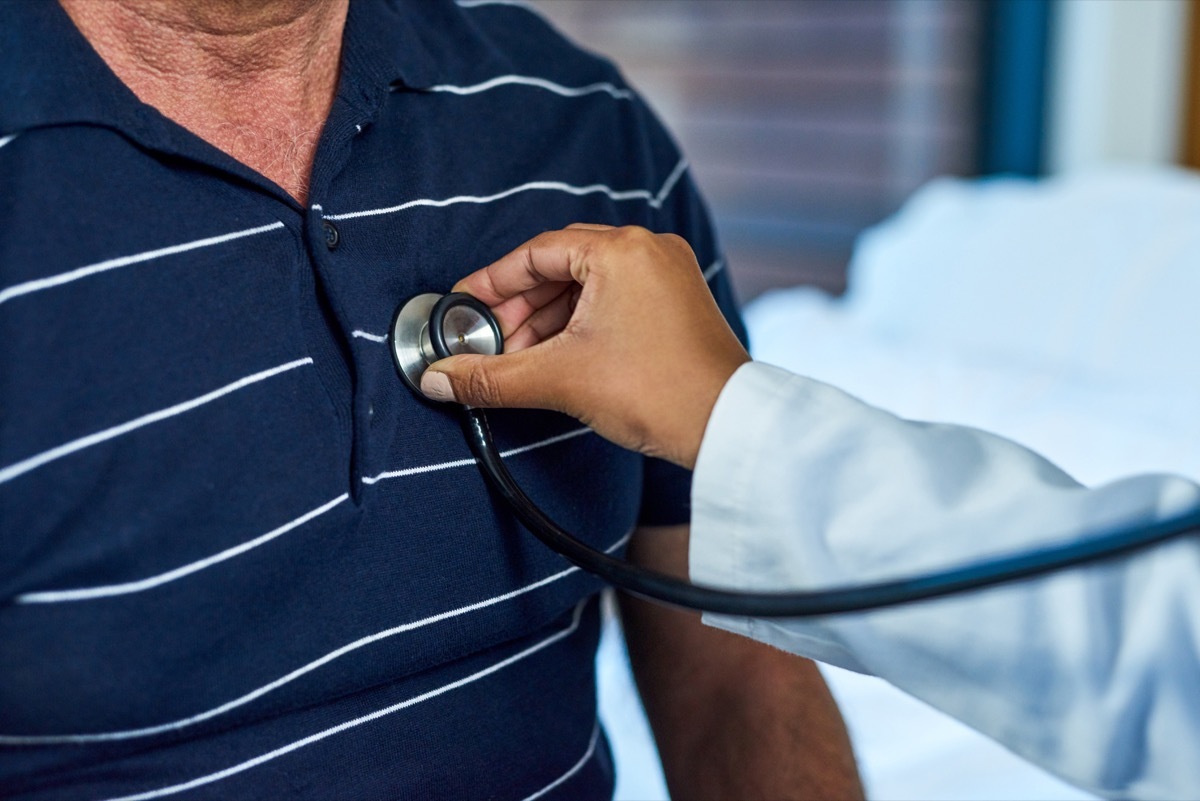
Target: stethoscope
[(430, 327)]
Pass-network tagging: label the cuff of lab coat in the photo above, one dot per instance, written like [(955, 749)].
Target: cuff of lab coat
[(726, 505), (738, 530)]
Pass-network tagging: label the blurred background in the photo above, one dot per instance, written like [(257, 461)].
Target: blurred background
[(975, 211), (808, 120)]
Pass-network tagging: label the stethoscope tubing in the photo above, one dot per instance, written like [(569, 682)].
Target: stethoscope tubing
[(835, 601), (656, 586)]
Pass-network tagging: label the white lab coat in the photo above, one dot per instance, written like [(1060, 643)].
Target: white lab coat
[(1093, 674)]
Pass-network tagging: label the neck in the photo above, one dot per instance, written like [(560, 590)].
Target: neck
[(255, 78)]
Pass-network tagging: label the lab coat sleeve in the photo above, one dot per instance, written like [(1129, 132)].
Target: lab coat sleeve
[(1093, 673)]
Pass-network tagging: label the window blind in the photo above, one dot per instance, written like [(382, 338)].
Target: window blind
[(805, 120)]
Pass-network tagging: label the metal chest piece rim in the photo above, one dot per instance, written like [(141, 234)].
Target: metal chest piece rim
[(429, 327)]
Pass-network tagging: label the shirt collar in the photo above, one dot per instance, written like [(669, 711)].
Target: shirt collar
[(50, 75), (388, 43)]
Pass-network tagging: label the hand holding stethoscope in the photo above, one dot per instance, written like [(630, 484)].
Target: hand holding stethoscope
[(614, 326), (617, 327)]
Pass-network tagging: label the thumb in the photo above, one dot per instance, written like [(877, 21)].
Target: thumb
[(511, 379)]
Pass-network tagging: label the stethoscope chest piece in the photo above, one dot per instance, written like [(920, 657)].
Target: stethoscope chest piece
[(430, 327)]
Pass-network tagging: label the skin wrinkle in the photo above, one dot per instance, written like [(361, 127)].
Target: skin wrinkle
[(255, 78), (217, 36)]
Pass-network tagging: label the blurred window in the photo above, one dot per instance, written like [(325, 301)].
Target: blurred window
[(805, 120)]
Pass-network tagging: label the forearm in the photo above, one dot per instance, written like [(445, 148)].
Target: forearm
[(1089, 673), (733, 718)]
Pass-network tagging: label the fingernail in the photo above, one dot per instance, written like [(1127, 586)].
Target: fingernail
[(436, 386)]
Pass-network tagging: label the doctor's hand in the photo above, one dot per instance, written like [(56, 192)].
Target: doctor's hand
[(613, 326)]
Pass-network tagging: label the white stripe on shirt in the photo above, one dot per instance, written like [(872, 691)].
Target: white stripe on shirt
[(368, 336), (516, 3), (669, 184), (4, 140), (540, 83), (713, 269), (33, 462), (175, 725), (655, 200), (350, 724), (124, 261), (107, 591), (591, 749), (432, 468)]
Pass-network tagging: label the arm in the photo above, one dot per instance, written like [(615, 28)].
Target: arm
[(1091, 673), (733, 718)]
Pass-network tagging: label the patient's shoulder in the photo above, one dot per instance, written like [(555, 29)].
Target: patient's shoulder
[(515, 36)]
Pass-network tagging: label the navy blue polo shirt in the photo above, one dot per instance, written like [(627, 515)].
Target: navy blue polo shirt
[(238, 558)]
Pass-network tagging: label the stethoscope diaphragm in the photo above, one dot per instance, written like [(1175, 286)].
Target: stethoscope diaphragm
[(430, 327)]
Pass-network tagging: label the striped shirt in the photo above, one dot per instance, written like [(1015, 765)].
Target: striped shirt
[(238, 558)]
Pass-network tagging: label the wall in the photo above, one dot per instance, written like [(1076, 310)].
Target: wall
[(805, 121), (1116, 91)]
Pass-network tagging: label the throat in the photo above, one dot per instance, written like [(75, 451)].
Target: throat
[(282, 149), (254, 79)]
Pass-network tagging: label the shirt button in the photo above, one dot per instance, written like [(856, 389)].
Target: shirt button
[(332, 237)]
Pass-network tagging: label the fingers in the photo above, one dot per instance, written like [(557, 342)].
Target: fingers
[(526, 379), (555, 256), (590, 227), (614, 326), (543, 323), (512, 313)]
